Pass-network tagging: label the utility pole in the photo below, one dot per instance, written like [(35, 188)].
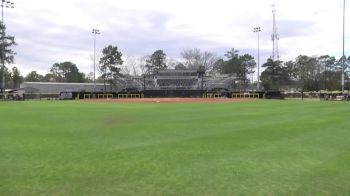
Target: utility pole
[(95, 32), (6, 4), (343, 57), (258, 30)]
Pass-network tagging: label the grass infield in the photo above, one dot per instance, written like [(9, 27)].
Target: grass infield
[(248, 148)]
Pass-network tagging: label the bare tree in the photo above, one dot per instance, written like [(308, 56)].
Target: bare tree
[(125, 68), (130, 66), (98, 71), (90, 77), (135, 65), (143, 63), (208, 60), (194, 58), (172, 63)]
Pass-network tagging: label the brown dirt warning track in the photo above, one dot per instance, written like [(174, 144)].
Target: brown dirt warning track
[(169, 100)]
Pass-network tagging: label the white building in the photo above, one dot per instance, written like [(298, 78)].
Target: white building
[(52, 87)]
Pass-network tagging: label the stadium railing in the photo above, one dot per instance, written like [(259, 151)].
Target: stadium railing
[(130, 96), (88, 96), (246, 95), (96, 96), (104, 96)]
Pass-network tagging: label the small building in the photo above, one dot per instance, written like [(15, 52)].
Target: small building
[(53, 87)]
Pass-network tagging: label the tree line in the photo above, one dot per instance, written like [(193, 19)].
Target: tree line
[(306, 73)]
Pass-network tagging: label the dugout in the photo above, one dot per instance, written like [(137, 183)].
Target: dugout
[(217, 92), (334, 95), (94, 95), (274, 95)]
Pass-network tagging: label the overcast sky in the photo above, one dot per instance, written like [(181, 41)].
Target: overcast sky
[(60, 30)]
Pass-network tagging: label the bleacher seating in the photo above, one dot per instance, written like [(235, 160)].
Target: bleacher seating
[(177, 79)]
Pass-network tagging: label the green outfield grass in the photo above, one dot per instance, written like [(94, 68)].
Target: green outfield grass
[(256, 148)]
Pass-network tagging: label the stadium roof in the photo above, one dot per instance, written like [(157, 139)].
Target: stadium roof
[(58, 83), (177, 71)]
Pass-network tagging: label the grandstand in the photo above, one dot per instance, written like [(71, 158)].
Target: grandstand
[(177, 79), (163, 83), (129, 82), (220, 81), (168, 79), (171, 79)]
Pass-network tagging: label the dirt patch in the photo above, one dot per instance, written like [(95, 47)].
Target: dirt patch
[(114, 121), (169, 100)]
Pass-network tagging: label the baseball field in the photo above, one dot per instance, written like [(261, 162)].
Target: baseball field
[(159, 148)]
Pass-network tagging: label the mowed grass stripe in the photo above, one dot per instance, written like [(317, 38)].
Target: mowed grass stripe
[(258, 148)]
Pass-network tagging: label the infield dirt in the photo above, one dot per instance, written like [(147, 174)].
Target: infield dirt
[(169, 100)]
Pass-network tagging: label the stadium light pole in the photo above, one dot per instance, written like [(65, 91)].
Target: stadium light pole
[(6, 4), (95, 32), (343, 57), (258, 30)]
